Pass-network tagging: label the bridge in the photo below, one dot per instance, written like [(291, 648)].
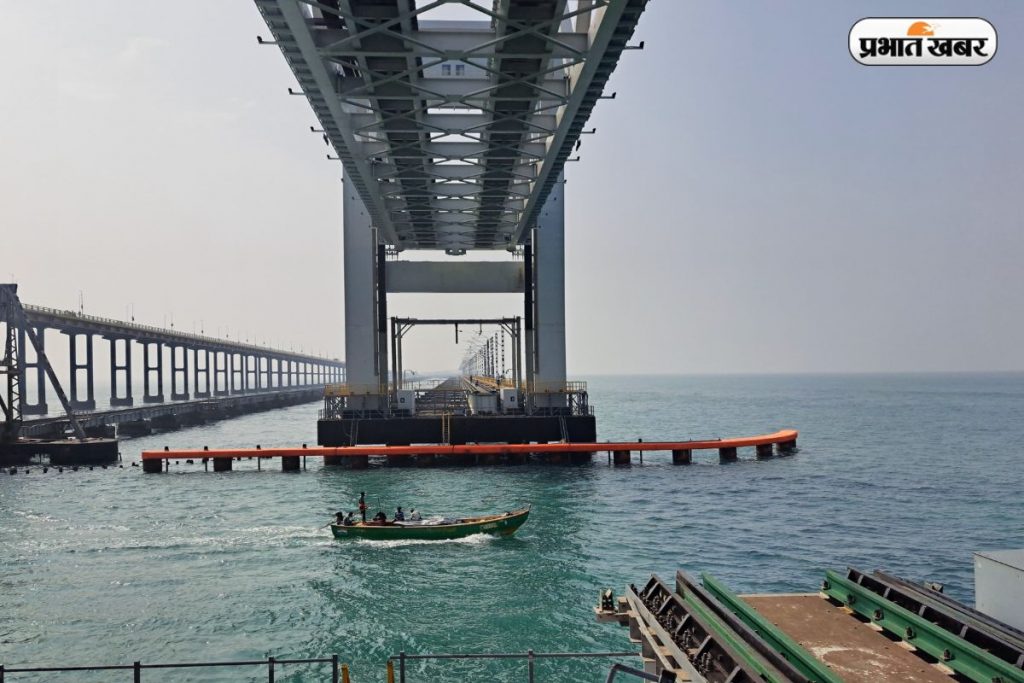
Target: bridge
[(453, 121), (208, 378)]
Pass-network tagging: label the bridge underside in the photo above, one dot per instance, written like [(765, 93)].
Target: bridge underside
[(453, 120)]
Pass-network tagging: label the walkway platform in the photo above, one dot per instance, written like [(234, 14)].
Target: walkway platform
[(479, 453)]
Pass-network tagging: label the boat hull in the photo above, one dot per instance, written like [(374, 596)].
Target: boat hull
[(495, 525)]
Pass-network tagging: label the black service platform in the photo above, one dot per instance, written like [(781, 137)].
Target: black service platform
[(404, 431)]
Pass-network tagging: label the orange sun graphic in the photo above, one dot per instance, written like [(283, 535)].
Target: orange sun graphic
[(921, 28)]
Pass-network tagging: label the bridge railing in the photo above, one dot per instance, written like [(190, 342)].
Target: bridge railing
[(530, 656), (72, 316), (339, 671)]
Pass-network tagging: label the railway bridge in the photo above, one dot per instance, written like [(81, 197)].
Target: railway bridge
[(454, 121)]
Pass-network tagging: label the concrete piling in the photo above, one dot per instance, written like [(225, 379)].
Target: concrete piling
[(291, 463), (682, 457), (222, 464), (727, 454), (764, 451), (622, 458)]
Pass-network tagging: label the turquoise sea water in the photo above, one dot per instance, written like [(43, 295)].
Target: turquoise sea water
[(907, 473)]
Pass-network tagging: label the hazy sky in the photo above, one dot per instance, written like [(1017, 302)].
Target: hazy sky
[(754, 200)]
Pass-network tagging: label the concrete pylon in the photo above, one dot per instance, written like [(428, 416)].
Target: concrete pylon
[(362, 357), (549, 300)]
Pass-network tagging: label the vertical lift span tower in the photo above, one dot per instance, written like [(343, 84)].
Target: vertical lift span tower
[(453, 120)]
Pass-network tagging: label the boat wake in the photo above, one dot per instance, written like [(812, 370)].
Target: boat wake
[(475, 539)]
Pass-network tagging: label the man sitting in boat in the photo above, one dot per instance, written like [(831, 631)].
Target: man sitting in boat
[(380, 518), (399, 515), (348, 521), (415, 516)]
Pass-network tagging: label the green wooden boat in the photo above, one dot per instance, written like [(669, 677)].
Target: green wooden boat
[(504, 524)]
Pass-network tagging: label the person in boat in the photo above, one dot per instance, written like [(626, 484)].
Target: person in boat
[(415, 516), (362, 505), (339, 518), (380, 518), (348, 521), (399, 515)]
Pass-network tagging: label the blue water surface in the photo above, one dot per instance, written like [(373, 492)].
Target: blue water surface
[(910, 473)]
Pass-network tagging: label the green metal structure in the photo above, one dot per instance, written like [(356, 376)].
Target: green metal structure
[(959, 655), (796, 655)]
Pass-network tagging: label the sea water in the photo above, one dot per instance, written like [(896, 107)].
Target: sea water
[(909, 473)]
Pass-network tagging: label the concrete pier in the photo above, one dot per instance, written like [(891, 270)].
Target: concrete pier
[(621, 458), (727, 454), (764, 451), (222, 464), (291, 463), (682, 457)]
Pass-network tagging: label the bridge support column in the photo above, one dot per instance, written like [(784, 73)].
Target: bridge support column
[(232, 371), (201, 390), (179, 370), (548, 360), (727, 454), (39, 407), (220, 373), (290, 463), (764, 451), (222, 464), (124, 368), (152, 466), (152, 362), (89, 402), (622, 458), (683, 457), (364, 321)]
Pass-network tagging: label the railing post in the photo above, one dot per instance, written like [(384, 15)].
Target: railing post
[(334, 668), (529, 666), (136, 672), (401, 667), (270, 669)]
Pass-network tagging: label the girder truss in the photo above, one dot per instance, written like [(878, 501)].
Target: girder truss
[(452, 131)]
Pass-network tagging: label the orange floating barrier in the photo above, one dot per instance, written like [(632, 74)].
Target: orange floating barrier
[(785, 438)]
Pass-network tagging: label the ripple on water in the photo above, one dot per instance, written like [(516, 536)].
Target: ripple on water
[(909, 474)]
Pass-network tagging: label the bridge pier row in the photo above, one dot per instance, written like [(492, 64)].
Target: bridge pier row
[(204, 372), (152, 362), (727, 454), (78, 403), (39, 407), (220, 373), (179, 373), (118, 370), (682, 457)]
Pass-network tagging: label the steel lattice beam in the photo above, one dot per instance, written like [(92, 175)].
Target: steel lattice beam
[(496, 103)]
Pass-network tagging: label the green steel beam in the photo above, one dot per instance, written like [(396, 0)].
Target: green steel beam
[(726, 634), (962, 657), (795, 654)]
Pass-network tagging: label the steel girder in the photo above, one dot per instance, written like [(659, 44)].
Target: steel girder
[(453, 132)]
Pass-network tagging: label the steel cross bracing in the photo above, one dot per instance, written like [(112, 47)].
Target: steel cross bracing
[(453, 131)]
